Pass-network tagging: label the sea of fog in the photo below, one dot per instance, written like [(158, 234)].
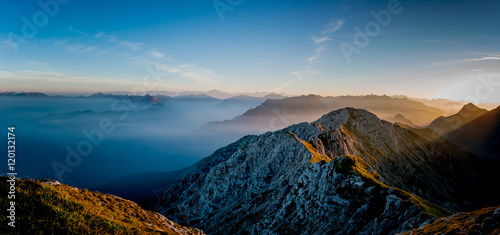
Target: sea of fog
[(112, 137)]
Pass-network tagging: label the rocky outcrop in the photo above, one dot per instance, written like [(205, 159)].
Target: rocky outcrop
[(349, 172)]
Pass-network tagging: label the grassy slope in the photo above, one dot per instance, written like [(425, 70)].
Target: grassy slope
[(59, 209), (484, 221)]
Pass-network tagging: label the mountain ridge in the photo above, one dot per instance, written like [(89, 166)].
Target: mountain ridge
[(472, 128), (276, 114), (349, 148)]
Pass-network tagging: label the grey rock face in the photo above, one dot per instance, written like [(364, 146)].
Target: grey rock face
[(333, 176)]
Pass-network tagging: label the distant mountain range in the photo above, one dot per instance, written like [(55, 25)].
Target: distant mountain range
[(472, 128), (368, 175), (137, 98), (276, 114), (402, 119), (162, 97), (23, 94), (213, 93), (448, 106)]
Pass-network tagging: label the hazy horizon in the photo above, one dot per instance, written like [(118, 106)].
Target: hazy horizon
[(226, 95)]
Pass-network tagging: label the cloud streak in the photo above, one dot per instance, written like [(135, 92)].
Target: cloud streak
[(333, 26), (114, 39), (316, 53), (61, 78), (191, 72), (454, 62), (137, 53), (156, 54), (439, 42), (318, 40)]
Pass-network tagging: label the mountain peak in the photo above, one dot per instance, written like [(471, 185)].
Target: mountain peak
[(399, 118), (100, 94), (344, 115), (471, 111), (470, 107)]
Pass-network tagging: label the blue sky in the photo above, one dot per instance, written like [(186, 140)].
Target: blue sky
[(448, 49)]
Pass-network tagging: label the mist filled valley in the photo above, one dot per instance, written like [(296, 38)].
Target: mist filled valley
[(142, 135)]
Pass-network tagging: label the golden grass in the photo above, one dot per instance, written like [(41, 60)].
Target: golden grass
[(60, 209), (316, 156), (476, 222)]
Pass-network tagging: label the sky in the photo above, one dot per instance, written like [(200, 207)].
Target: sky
[(420, 48)]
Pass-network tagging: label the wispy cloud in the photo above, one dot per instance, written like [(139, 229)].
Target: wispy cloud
[(114, 39), (333, 26), (70, 46), (298, 77), (439, 42), (318, 40), (131, 45), (73, 30), (156, 54), (454, 62), (99, 35), (74, 48), (62, 78), (486, 54), (139, 54), (60, 42), (91, 48), (36, 63), (105, 51), (191, 72), (316, 53)]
